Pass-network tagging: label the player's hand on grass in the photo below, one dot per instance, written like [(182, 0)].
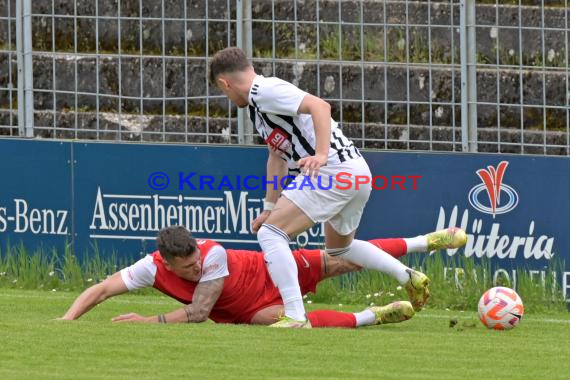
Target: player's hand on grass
[(256, 224), (310, 165), (131, 317)]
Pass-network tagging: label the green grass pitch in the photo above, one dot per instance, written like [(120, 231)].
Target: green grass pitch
[(34, 346)]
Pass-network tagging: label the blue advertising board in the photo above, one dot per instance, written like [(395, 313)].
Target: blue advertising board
[(117, 196), (124, 195), (35, 194), (512, 207)]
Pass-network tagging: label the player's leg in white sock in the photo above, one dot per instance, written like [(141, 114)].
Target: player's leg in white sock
[(417, 244), (367, 255), (282, 269), (365, 318)]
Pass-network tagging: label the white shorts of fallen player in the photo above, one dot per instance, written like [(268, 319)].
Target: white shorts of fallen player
[(324, 202)]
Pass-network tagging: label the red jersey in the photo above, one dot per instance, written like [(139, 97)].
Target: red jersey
[(247, 289)]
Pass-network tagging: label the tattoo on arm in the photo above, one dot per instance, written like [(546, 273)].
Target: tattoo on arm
[(188, 310), (325, 262), (204, 299)]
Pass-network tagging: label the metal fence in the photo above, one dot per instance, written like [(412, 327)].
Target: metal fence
[(417, 75)]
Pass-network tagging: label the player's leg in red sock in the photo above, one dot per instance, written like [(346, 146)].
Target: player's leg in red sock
[(331, 318), (395, 247)]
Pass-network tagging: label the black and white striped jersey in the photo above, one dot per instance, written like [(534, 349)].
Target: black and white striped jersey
[(273, 106)]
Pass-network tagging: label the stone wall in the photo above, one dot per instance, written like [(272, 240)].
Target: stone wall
[(381, 86)]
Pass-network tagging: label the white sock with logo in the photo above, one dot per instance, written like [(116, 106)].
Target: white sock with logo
[(282, 269), (416, 244), (367, 255)]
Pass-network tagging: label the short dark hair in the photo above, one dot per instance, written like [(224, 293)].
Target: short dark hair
[(228, 60), (175, 241)]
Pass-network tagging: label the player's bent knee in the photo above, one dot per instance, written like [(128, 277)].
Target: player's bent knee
[(268, 232)]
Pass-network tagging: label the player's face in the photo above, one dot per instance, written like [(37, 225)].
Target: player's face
[(229, 86), (188, 268)]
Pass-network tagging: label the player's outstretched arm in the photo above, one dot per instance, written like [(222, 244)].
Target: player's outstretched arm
[(96, 294), (276, 168), (205, 297)]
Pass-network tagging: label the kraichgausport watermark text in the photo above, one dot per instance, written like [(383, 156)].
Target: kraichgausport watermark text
[(341, 181)]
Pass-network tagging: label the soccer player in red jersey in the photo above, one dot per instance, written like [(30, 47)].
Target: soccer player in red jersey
[(234, 286)]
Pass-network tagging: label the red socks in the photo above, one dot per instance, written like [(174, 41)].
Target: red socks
[(395, 247), (331, 318)]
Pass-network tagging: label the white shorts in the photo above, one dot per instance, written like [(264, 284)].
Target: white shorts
[(342, 208)]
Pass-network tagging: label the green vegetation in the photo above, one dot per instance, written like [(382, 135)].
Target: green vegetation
[(46, 269), (460, 289), (457, 284), (549, 3), (300, 41), (36, 346), (349, 45)]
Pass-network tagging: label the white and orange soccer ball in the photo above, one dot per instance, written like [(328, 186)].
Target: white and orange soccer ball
[(500, 308)]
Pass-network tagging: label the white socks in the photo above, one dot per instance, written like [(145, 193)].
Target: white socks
[(365, 318), (282, 269), (367, 255), (417, 244)]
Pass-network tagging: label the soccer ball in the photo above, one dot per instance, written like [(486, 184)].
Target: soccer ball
[(500, 308)]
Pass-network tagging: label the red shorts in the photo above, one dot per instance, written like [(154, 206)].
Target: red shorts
[(309, 268)]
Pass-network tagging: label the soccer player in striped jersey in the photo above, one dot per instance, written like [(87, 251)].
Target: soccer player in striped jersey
[(301, 135), (232, 286)]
